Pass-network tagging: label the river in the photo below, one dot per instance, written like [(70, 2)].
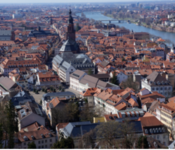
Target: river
[(99, 16)]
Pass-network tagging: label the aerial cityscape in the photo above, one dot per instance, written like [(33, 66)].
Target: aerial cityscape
[(95, 74)]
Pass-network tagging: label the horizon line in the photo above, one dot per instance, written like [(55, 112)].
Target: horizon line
[(87, 2)]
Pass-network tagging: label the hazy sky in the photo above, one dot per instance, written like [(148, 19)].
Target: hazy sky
[(64, 1)]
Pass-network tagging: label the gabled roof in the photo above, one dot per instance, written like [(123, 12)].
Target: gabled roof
[(77, 74), (150, 121), (28, 109), (76, 129), (91, 81), (34, 135), (32, 127), (90, 92), (133, 102), (152, 95), (6, 82), (121, 106), (155, 76), (54, 102)]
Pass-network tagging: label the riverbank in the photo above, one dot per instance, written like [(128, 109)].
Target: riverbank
[(168, 36), (125, 19), (154, 27)]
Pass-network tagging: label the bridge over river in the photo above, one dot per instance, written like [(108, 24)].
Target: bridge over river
[(112, 20)]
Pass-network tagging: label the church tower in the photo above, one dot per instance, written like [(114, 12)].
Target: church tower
[(70, 46), (70, 28)]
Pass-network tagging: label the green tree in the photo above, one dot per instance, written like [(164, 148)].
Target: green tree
[(64, 143), (86, 100), (90, 72), (123, 59), (114, 79), (32, 145), (142, 142), (11, 123)]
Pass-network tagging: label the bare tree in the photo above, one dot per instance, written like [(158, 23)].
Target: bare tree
[(87, 113), (128, 136), (87, 140), (66, 113), (107, 134), (129, 83), (116, 135)]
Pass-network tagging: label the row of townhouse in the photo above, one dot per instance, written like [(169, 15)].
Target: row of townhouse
[(80, 81)]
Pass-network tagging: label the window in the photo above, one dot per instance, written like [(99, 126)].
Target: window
[(38, 142), (24, 143), (45, 141), (45, 146), (42, 141), (38, 146), (165, 88), (152, 89), (157, 88), (157, 136), (50, 140)]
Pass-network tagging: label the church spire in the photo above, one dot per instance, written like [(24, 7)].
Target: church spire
[(70, 28), (70, 17)]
